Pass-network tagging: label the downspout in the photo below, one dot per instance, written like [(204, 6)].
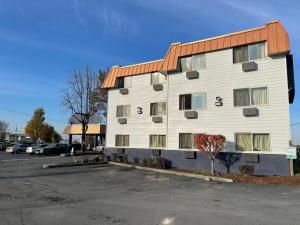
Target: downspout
[(167, 125)]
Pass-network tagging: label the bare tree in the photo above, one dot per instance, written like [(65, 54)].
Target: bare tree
[(84, 97), (3, 129)]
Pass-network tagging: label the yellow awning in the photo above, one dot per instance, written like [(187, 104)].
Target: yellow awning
[(76, 129)]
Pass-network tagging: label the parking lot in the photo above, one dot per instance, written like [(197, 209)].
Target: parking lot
[(100, 195)]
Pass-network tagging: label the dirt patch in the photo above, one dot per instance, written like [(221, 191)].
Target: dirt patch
[(277, 180)]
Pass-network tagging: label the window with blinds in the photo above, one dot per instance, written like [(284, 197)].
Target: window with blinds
[(158, 78), (252, 142), (157, 141), (250, 96), (194, 62), (121, 140), (123, 111), (249, 52), (124, 82), (187, 141), (192, 101), (158, 109)]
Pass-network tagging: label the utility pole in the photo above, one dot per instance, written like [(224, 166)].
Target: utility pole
[(16, 134)]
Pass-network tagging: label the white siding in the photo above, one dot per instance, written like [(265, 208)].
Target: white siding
[(139, 126), (219, 78)]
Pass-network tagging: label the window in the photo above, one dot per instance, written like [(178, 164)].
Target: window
[(249, 52), (158, 109), (243, 142), (123, 110), (186, 141), (194, 62), (259, 96), (261, 142), (198, 101), (158, 78), (157, 141), (250, 96), (252, 142), (122, 140), (124, 82), (192, 101), (241, 97)]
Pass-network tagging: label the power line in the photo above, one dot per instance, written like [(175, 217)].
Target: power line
[(28, 114), (295, 124)]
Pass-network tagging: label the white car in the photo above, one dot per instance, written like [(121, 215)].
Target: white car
[(30, 149), (98, 148)]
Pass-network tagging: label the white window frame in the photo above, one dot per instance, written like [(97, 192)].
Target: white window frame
[(192, 58), (160, 75), (123, 111), (157, 135), (193, 94), (252, 143), (193, 146), (248, 46), (129, 78), (158, 113), (122, 145), (250, 96)]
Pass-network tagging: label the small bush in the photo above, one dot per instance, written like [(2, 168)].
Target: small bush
[(159, 162), (144, 162), (150, 163), (246, 170), (125, 158), (114, 157)]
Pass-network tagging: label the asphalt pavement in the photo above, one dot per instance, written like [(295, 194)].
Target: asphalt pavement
[(105, 195)]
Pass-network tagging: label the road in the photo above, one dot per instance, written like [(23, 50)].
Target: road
[(105, 195)]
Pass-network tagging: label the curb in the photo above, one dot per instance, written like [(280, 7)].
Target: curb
[(203, 177), (79, 154), (45, 166)]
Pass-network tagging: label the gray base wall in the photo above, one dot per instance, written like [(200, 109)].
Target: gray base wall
[(264, 164)]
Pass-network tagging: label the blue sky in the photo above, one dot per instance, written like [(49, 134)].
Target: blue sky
[(42, 41)]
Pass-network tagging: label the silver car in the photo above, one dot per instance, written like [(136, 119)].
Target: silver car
[(17, 148)]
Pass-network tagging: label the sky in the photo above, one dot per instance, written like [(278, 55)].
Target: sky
[(41, 42)]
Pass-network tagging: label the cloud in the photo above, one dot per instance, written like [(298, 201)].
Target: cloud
[(250, 8), (116, 21)]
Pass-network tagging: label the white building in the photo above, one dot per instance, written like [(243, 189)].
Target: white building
[(238, 85)]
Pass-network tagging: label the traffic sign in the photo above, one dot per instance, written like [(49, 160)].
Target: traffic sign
[(291, 153)]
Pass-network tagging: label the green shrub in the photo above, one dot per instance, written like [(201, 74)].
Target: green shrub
[(114, 157), (150, 163), (159, 162), (246, 170), (125, 158), (144, 162)]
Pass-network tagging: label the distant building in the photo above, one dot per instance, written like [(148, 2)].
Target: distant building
[(17, 138), (95, 133)]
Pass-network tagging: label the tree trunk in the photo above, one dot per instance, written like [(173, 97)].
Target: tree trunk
[(212, 170), (83, 137)]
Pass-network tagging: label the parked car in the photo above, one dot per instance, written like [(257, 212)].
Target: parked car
[(4, 145), (17, 148), (52, 149), (30, 149), (99, 148)]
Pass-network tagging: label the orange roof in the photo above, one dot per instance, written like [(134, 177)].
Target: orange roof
[(273, 33)]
